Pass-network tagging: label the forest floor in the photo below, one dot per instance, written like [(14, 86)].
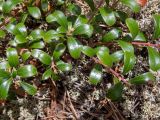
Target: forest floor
[(74, 98)]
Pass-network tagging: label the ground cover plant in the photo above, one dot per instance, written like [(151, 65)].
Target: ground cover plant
[(108, 37)]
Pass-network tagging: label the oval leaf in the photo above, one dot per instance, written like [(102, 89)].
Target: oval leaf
[(59, 50), (95, 76), (141, 79), (88, 51), (27, 71), (156, 19), (74, 48), (154, 59), (12, 57), (34, 12), (63, 66), (30, 89)]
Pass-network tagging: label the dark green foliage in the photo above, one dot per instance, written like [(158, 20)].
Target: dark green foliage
[(36, 52)]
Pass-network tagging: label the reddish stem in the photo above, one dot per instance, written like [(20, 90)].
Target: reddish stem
[(120, 77)]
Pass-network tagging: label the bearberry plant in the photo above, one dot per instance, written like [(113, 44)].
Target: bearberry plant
[(44, 37)]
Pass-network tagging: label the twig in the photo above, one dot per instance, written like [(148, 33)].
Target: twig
[(71, 106), (120, 77)]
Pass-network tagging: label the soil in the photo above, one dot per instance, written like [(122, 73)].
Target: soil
[(74, 98)]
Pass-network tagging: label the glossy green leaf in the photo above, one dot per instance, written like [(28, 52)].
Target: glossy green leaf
[(12, 57), (34, 12), (63, 66), (132, 26), (20, 39), (156, 19), (42, 56), (4, 74), (121, 15), (11, 28), (117, 56), (51, 35), (9, 5), (112, 35), (74, 9), (154, 59), (47, 74), (84, 29), (129, 62), (30, 89), (59, 17), (88, 51), (104, 56), (4, 88), (80, 20), (26, 55), (2, 34), (108, 16), (132, 4), (27, 71), (4, 65), (91, 4), (21, 29), (140, 37), (37, 45), (115, 92), (129, 57), (74, 47), (37, 34), (44, 5), (141, 79), (59, 50), (95, 76)]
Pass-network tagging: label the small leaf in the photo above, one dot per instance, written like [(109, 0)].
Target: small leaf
[(27, 71), (112, 35), (2, 34), (11, 28), (156, 19), (26, 55), (95, 76), (34, 12), (51, 35), (37, 45), (47, 74), (12, 57), (59, 17), (108, 16), (21, 29), (141, 79), (115, 92), (20, 39), (90, 52), (140, 37), (91, 4), (104, 57), (133, 26), (80, 20), (42, 56), (132, 4), (37, 34), (121, 15), (4, 65), (4, 88), (74, 47), (74, 9), (9, 5), (154, 59), (63, 66), (4, 74), (30, 89), (84, 29), (117, 56), (59, 50), (44, 5), (129, 57)]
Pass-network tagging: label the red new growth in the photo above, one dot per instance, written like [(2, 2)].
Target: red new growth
[(142, 2)]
